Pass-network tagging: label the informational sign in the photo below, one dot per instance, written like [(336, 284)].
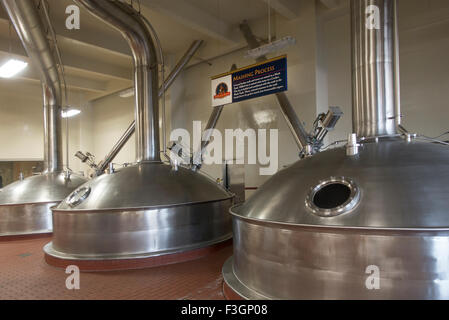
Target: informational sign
[(254, 81)]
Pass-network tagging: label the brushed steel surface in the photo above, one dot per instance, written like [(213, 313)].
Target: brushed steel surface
[(282, 261), (236, 285), (126, 234), (403, 185), (141, 211), (30, 28), (148, 185), (25, 205), (282, 250), (51, 187), (26, 219), (375, 70)]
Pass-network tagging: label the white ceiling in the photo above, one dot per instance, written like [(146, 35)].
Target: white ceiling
[(97, 59)]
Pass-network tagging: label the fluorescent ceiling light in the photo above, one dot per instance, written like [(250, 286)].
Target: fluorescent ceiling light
[(127, 93), (12, 67), (272, 47), (70, 113)]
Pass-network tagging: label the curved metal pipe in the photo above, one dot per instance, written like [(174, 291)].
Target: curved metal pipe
[(375, 67), (102, 166), (129, 23), (28, 24)]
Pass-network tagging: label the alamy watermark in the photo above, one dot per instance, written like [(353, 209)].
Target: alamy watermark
[(231, 149), (73, 20), (73, 281), (373, 280), (373, 19)]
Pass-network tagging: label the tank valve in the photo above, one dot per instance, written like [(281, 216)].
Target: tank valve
[(352, 148), (111, 168)]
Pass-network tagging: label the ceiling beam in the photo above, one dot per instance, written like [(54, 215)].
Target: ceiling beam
[(289, 9), (196, 18), (73, 82), (91, 66), (110, 42)]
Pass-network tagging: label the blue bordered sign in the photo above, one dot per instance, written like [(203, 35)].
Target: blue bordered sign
[(254, 81)]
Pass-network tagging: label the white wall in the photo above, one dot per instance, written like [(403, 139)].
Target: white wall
[(111, 117), (191, 96), (21, 124)]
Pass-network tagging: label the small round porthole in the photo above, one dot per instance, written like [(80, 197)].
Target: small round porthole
[(78, 196), (333, 197)]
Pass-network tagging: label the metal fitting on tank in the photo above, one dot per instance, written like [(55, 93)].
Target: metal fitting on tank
[(308, 151), (352, 148)]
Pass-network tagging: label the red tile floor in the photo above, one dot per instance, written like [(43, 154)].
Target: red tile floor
[(25, 275)]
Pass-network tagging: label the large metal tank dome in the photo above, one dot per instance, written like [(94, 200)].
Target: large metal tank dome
[(389, 185), (145, 186), (139, 212), (367, 221), (42, 188), (314, 229), (150, 213), (25, 205)]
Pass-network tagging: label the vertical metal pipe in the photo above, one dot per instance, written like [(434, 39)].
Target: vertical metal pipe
[(376, 107), (168, 82), (294, 123), (129, 23), (30, 28), (53, 162)]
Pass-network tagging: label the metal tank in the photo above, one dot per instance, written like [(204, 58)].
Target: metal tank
[(147, 214), (25, 205), (366, 221)]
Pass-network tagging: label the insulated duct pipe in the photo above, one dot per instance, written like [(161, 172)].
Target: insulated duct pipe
[(296, 127), (130, 24), (168, 82), (28, 24), (375, 67)]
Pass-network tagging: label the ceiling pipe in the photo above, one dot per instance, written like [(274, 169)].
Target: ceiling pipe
[(103, 165), (26, 20), (375, 68), (130, 24)]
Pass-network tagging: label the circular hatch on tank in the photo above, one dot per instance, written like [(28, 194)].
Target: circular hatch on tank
[(333, 197)]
